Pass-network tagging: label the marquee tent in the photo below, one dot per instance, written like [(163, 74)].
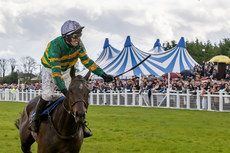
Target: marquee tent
[(128, 58), (175, 60), (107, 53), (157, 48)]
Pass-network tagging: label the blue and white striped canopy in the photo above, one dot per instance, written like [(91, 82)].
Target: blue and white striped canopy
[(129, 57), (156, 48), (107, 53), (175, 60)]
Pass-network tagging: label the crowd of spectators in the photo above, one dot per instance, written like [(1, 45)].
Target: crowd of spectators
[(205, 79), (22, 86)]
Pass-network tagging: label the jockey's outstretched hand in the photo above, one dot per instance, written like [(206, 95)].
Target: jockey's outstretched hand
[(107, 77)]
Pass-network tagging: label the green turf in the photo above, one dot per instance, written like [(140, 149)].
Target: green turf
[(136, 130)]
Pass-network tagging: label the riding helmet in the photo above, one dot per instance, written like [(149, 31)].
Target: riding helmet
[(70, 27)]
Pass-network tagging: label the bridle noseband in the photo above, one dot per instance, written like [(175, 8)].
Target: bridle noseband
[(72, 114), (78, 101)]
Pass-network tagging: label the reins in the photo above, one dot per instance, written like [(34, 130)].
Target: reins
[(78, 102), (70, 113), (58, 133)]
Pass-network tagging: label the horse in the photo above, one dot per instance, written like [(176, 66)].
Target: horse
[(62, 130)]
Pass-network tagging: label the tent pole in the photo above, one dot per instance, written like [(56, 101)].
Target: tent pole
[(139, 80), (168, 80), (168, 102)]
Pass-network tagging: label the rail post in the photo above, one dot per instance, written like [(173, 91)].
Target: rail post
[(188, 99), (168, 99), (133, 98), (111, 97), (177, 100), (221, 100), (198, 99), (91, 98), (17, 94), (104, 97), (7, 94), (97, 97), (209, 101), (126, 97)]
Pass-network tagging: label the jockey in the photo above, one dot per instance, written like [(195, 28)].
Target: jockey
[(60, 55)]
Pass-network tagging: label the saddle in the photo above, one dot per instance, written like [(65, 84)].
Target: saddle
[(51, 105)]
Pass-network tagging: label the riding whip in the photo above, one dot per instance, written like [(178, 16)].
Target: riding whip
[(133, 67)]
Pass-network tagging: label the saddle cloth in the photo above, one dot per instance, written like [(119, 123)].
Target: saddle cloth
[(51, 105)]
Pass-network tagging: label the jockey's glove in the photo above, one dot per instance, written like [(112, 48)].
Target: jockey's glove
[(64, 91), (107, 77)]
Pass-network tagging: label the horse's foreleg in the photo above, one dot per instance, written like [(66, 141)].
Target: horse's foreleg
[(26, 139), (25, 135)]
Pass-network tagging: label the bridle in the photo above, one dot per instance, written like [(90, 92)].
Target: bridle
[(78, 101), (70, 113)]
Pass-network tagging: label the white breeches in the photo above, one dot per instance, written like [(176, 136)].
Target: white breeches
[(48, 84)]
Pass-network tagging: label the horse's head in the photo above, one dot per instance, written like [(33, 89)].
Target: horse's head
[(78, 95)]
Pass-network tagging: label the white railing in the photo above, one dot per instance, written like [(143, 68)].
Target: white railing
[(171, 99), (19, 96)]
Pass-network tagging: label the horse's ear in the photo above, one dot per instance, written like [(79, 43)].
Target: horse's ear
[(72, 72), (86, 77)]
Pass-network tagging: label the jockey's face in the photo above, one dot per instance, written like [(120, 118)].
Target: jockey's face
[(74, 38), (74, 41)]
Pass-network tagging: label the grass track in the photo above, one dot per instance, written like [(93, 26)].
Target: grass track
[(136, 130)]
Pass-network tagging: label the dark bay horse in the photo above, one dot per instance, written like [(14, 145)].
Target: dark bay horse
[(62, 131)]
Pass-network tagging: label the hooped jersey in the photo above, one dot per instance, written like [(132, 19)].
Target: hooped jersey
[(59, 57)]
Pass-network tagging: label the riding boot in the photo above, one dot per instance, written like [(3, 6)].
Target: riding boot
[(34, 125), (87, 133)]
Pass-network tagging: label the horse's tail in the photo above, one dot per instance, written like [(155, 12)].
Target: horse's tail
[(16, 123)]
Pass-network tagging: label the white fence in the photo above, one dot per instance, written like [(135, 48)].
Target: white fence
[(170, 99)]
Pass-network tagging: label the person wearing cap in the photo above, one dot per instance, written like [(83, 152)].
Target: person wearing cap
[(61, 54)]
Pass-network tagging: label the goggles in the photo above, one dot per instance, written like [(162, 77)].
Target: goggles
[(75, 35)]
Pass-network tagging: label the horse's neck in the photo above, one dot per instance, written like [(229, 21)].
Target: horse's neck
[(64, 121)]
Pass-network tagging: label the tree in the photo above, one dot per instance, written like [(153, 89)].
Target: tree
[(3, 66), (12, 78), (169, 45), (224, 46), (12, 62), (29, 66)]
